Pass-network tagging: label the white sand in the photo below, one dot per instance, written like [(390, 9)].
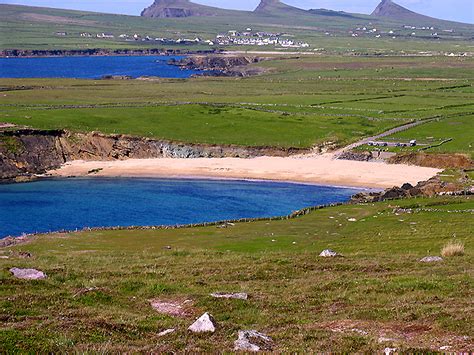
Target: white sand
[(320, 169)]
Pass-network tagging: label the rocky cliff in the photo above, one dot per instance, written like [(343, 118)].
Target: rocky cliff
[(221, 65), (26, 151)]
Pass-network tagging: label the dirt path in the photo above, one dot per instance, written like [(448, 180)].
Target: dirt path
[(337, 153)]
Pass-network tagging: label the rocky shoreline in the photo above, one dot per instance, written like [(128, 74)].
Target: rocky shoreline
[(221, 65), (32, 53)]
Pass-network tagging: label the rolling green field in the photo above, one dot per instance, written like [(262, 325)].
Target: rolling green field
[(297, 102), (96, 297)]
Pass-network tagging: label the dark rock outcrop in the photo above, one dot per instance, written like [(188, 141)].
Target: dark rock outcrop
[(429, 188), (356, 156), (220, 65)]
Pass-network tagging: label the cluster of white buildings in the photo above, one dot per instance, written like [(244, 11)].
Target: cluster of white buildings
[(372, 31), (235, 38), (249, 38)]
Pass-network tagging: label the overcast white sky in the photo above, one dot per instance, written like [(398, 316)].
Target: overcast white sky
[(457, 10)]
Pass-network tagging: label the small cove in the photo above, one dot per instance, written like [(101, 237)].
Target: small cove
[(69, 204)]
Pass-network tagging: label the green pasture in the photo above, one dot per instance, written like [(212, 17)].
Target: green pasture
[(366, 301)]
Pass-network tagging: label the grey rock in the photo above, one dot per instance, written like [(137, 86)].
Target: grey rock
[(28, 274), (237, 296), (431, 259), (203, 324), (328, 253), (166, 332), (251, 340)]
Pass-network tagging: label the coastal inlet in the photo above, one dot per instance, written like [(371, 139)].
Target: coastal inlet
[(69, 204)]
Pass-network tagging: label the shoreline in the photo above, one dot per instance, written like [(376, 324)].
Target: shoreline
[(100, 52), (319, 170)]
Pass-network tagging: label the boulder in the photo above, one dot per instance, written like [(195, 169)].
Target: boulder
[(328, 253), (431, 259), (28, 274), (251, 340), (203, 324), (237, 296)]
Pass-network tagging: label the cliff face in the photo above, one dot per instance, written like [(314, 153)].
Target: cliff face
[(26, 151), (221, 65)]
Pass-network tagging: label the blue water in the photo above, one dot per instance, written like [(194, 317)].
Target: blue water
[(94, 67), (52, 205)]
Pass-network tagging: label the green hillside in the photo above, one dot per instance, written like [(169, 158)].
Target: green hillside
[(24, 27)]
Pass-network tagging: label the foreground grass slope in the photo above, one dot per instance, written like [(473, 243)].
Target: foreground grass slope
[(298, 102), (378, 295)]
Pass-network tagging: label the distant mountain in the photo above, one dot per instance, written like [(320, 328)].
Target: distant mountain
[(391, 10), (182, 8), (276, 6)]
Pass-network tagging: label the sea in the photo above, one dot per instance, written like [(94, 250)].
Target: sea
[(76, 203), (92, 67)]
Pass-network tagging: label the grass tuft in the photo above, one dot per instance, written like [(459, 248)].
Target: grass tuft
[(453, 248)]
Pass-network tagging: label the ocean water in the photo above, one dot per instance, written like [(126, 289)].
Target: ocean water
[(93, 67), (52, 205)]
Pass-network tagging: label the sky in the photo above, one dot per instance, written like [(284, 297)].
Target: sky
[(456, 10)]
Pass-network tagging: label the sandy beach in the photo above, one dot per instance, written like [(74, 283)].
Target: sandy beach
[(320, 169)]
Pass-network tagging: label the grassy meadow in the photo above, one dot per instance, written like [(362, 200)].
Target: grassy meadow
[(96, 296), (297, 102)]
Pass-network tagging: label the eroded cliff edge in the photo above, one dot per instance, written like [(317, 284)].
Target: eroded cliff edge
[(25, 152)]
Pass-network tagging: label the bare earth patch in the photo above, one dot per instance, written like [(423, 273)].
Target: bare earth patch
[(406, 335), (177, 308)]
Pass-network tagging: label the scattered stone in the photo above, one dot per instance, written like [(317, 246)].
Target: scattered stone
[(168, 247), (385, 340), (83, 291), (170, 308), (328, 253), (251, 340), (28, 274), (24, 255), (359, 331), (4, 257), (388, 351), (431, 259), (237, 296), (444, 348), (166, 332), (352, 220), (203, 324)]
